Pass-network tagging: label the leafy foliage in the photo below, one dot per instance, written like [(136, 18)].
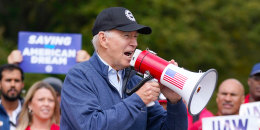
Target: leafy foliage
[(198, 34)]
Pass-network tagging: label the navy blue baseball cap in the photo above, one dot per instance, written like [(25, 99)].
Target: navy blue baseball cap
[(255, 69), (118, 18), (55, 83)]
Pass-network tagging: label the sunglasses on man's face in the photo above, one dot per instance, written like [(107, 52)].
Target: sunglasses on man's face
[(256, 77)]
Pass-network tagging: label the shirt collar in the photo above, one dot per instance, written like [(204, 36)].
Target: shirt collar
[(109, 67)]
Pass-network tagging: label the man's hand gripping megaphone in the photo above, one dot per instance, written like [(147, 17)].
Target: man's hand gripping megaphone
[(146, 93)]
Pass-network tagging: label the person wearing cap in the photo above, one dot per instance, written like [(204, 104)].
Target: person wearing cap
[(94, 92), (254, 85), (16, 57), (56, 84)]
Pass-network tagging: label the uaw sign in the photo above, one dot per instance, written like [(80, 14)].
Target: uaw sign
[(233, 122), (250, 109), (48, 52)]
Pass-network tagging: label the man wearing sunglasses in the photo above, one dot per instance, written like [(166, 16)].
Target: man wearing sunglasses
[(254, 85)]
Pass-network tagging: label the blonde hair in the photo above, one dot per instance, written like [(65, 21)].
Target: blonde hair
[(25, 118)]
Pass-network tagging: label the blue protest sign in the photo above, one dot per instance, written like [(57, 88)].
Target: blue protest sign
[(48, 52)]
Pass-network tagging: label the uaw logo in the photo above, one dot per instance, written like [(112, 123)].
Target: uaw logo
[(129, 15)]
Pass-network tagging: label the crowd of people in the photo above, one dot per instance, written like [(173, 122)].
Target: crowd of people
[(93, 94)]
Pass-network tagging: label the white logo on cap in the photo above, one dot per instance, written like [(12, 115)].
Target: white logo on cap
[(129, 15)]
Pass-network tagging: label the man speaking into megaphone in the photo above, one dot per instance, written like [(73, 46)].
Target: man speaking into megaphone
[(94, 92)]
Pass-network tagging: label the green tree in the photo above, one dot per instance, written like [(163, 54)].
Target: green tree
[(199, 35)]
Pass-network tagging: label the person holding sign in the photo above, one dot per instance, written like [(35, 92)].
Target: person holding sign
[(254, 85), (94, 92), (16, 57), (229, 97)]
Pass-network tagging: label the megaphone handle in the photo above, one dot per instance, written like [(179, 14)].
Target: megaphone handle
[(148, 77), (133, 90)]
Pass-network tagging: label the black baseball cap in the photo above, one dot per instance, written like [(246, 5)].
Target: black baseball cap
[(118, 18)]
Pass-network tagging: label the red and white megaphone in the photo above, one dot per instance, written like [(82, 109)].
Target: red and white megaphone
[(195, 88)]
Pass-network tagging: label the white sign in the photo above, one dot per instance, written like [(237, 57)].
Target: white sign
[(250, 109), (233, 122)]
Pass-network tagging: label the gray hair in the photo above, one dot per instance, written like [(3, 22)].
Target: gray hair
[(95, 39)]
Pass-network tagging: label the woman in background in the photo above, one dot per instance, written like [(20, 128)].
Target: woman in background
[(40, 109)]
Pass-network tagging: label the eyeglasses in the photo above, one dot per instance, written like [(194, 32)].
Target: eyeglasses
[(256, 77)]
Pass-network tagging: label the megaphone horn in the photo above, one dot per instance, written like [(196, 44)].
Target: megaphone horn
[(195, 88)]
